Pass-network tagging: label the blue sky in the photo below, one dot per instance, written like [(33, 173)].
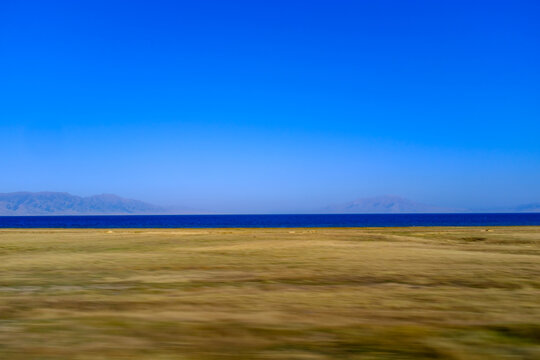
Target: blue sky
[(272, 106)]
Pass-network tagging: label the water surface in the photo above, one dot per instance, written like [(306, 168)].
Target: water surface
[(272, 221)]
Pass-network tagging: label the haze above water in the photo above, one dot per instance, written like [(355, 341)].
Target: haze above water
[(250, 107)]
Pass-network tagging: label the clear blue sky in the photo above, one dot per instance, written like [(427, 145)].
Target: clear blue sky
[(272, 106)]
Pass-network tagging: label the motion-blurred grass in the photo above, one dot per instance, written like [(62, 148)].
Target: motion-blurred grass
[(411, 293)]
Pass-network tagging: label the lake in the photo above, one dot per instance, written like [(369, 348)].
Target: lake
[(271, 221)]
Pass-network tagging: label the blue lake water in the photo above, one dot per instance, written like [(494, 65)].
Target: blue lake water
[(271, 221)]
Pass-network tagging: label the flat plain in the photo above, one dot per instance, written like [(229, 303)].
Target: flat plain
[(319, 293)]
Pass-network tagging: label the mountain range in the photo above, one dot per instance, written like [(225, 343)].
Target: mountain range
[(386, 204), (61, 203), (389, 204), (533, 207)]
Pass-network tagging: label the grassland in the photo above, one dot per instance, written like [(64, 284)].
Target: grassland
[(396, 293)]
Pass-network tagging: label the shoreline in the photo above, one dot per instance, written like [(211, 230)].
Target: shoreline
[(441, 227)]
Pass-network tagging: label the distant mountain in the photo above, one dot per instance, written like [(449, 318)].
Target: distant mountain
[(523, 208), (533, 207), (386, 204), (56, 203)]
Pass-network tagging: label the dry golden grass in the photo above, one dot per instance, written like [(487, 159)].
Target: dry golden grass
[(395, 293)]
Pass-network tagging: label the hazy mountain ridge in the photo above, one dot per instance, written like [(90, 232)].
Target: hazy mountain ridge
[(57, 203), (387, 204), (61, 203), (532, 207)]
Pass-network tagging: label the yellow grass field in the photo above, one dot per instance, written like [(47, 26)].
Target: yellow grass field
[(394, 293)]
